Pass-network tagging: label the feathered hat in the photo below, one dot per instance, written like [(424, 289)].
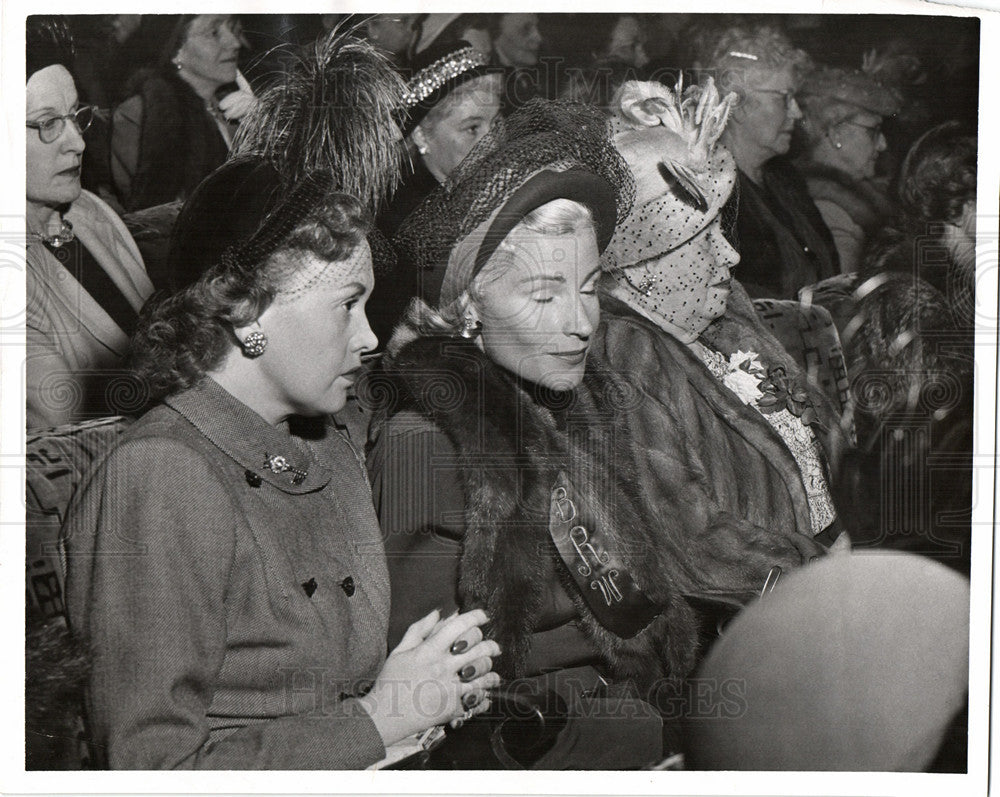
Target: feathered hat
[(668, 138), (855, 88), (331, 111)]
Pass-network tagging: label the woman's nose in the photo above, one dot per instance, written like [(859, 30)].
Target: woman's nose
[(585, 317), (71, 139), (366, 339), (793, 109), (230, 39), (641, 58), (725, 254)]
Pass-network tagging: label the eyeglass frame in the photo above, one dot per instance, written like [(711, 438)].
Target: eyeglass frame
[(874, 130), (63, 119), (788, 95)]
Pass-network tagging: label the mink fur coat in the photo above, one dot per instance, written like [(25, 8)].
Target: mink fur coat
[(507, 560)]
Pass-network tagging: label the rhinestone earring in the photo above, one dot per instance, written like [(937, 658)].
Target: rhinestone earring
[(838, 145), (471, 328), (254, 344), (178, 65), (422, 149)]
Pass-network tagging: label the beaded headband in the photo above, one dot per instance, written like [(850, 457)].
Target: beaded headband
[(431, 78)]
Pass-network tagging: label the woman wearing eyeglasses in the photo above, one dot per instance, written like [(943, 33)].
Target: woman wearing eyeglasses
[(86, 280), (783, 241), (843, 115)]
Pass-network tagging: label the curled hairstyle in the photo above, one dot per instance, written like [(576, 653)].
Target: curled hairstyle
[(729, 53), (938, 176), (184, 335), (558, 217)]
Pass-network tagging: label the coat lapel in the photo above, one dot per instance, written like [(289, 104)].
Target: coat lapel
[(106, 242)]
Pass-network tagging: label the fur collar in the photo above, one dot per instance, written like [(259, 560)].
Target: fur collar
[(862, 201), (529, 440)]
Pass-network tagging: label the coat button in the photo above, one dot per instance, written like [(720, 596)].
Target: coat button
[(253, 479), (348, 586)]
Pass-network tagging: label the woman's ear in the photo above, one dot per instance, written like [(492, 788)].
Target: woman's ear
[(419, 139), (242, 331)]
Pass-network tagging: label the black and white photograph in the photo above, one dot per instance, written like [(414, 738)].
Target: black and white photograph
[(603, 398)]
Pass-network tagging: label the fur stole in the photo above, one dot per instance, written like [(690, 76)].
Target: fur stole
[(862, 201), (511, 447)]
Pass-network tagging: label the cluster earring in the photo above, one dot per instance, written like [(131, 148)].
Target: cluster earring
[(471, 328), (254, 344), (422, 149)]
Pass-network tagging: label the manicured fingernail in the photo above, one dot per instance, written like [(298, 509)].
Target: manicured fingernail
[(468, 672), (458, 646), (471, 700)]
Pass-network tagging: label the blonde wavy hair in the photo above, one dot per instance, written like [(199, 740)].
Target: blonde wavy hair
[(558, 217)]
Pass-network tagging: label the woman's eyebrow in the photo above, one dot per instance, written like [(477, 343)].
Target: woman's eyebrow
[(542, 278)]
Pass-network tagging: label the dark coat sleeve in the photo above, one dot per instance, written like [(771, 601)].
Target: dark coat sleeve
[(420, 501), (148, 591)]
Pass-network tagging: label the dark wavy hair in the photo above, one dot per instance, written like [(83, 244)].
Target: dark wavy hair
[(938, 176), (184, 335)]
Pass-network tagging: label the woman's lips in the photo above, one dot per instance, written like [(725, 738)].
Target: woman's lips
[(72, 171), (572, 357)]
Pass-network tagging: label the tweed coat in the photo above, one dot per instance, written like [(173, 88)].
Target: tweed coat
[(72, 342), (727, 490), (230, 613)]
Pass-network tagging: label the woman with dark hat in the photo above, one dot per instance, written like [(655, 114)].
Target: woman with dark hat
[(499, 475), (176, 128), (86, 280), (226, 573), (449, 104)]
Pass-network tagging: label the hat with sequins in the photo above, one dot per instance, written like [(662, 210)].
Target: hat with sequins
[(683, 180), (438, 71)]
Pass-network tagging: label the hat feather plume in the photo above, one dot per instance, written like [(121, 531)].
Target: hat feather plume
[(331, 111), (696, 117)]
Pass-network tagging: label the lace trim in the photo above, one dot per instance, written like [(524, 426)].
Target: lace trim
[(798, 437)]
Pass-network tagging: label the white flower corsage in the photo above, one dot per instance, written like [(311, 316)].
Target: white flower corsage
[(743, 375)]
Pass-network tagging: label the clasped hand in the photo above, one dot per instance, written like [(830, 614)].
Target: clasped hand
[(439, 672)]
